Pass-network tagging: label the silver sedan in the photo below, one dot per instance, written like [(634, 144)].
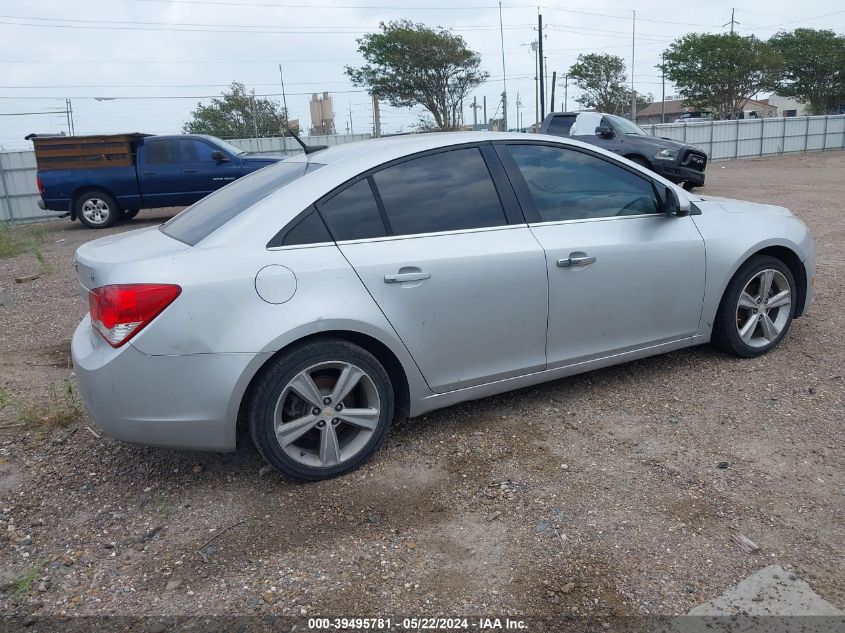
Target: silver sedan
[(321, 298)]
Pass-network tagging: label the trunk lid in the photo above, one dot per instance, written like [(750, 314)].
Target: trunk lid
[(94, 260)]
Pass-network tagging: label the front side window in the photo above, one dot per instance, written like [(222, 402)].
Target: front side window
[(565, 184), (194, 151), (447, 191), (206, 216), (161, 152)]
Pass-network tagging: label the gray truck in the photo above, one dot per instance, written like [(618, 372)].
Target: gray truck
[(675, 161)]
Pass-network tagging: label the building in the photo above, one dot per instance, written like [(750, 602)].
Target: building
[(786, 106), (674, 108), (322, 114)]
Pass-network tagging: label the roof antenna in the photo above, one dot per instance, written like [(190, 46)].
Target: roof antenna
[(308, 149)]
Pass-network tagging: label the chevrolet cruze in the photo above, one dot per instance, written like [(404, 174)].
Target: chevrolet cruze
[(320, 298)]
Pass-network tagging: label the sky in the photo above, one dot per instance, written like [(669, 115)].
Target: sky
[(142, 65)]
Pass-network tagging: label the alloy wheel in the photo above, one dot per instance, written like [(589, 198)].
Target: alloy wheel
[(763, 308), (326, 414), (96, 210)]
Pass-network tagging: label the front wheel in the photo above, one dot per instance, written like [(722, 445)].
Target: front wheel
[(97, 210), (321, 409), (756, 309)]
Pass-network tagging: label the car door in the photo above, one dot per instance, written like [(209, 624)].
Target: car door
[(201, 172), (450, 261), (623, 275), (160, 175)]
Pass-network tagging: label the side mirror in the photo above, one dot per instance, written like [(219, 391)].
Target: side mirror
[(672, 203), (604, 131), (219, 156)]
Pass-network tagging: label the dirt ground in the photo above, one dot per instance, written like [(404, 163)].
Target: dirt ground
[(599, 495)]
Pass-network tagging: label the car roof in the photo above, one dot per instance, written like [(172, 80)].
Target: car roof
[(380, 150)]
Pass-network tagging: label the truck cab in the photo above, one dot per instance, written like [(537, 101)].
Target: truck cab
[(675, 161), (100, 180)]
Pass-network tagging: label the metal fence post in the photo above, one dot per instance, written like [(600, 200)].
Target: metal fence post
[(712, 151), (824, 136), (6, 193), (762, 134), (736, 138), (806, 133), (783, 136)]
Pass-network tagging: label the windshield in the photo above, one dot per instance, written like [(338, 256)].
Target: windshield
[(228, 147), (624, 125), (206, 216)]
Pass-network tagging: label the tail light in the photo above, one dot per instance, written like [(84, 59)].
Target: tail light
[(40, 185), (119, 312)]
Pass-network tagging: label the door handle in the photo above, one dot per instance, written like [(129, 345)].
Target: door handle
[(398, 278), (189, 171), (149, 173), (583, 260)]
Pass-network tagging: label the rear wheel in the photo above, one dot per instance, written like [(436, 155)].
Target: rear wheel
[(97, 209), (756, 309), (321, 409), (128, 214)]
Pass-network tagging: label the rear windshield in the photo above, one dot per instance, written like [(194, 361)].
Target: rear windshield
[(560, 125), (206, 216)]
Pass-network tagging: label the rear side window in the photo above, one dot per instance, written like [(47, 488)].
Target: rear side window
[(560, 125), (206, 216), (162, 152), (353, 213), (448, 191)]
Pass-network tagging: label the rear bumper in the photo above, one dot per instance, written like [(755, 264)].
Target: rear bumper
[(188, 401)]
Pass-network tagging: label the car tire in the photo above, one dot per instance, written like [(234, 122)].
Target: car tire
[(97, 209), (688, 186), (753, 319), (295, 421), (128, 214)]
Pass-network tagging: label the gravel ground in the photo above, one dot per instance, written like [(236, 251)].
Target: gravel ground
[(599, 495)]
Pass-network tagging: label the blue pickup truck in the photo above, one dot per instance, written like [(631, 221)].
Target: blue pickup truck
[(100, 180)]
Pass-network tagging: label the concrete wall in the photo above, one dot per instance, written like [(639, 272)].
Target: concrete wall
[(757, 137)]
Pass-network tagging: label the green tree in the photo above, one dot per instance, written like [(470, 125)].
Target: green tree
[(601, 79), (721, 71), (412, 64), (238, 114), (814, 67)]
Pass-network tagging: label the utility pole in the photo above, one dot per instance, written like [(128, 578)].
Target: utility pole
[(486, 120), (350, 118), (284, 97), (534, 48), (540, 57), (254, 116), (566, 93), (552, 99), (546, 75), (733, 22), (663, 81), (376, 118), (518, 115), (504, 72), (633, 50), (474, 112)]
